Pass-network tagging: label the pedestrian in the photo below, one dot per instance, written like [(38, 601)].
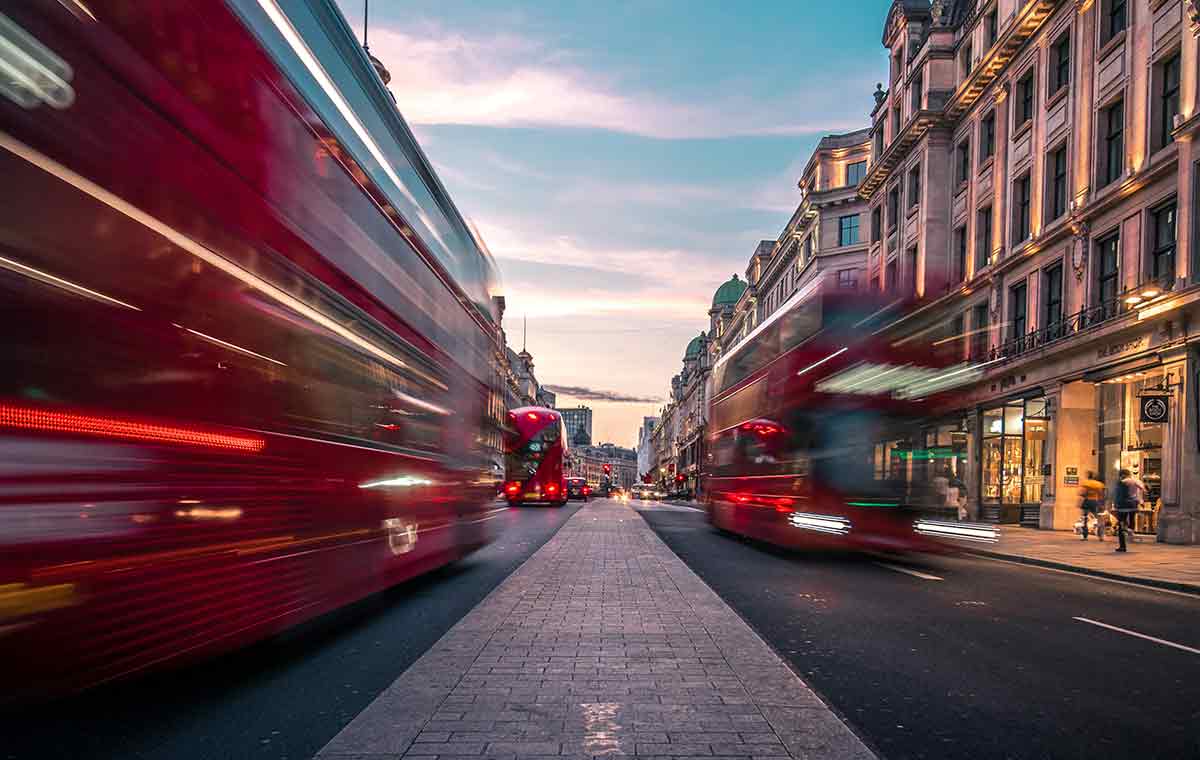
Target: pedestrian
[(1092, 492), (1129, 493)]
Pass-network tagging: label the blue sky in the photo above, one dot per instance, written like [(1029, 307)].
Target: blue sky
[(621, 160)]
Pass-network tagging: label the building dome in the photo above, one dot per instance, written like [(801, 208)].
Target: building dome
[(729, 292), (694, 347)]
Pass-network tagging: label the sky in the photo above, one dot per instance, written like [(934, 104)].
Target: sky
[(622, 160)]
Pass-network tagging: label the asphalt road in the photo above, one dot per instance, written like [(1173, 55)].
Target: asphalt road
[(988, 662), (287, 696)]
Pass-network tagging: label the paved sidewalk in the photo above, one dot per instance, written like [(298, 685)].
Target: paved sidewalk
[(602, 644), (1146, 562)]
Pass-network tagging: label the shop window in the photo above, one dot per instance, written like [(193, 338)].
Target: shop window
[(1112, 153), (1014, 437), (1162, 254), (983, 237)]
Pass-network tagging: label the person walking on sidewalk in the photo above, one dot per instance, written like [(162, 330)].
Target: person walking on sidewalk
[(1129, 490), (1092, 493)]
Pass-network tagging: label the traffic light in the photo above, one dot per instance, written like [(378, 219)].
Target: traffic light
[(607, 469), (680, 478)]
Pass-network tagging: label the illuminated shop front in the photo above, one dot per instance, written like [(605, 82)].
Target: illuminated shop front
[(1012, 460)]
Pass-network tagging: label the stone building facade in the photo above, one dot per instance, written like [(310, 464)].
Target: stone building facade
[(1034, 191)]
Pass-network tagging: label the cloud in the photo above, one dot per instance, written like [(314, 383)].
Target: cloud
[(591, 394), (504, 80)]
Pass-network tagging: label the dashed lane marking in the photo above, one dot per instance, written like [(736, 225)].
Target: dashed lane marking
[(909, 571), (1128, 632)]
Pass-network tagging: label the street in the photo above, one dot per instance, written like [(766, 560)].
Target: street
[(285, 697), (932, 658), (988, 661)]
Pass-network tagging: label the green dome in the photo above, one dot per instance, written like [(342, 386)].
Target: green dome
[(729, 292), (694, 347)]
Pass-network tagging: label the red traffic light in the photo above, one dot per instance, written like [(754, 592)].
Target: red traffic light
[(679, 478), (607, 468)]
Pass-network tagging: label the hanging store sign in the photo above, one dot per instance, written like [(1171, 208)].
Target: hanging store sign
[(1154, 409)]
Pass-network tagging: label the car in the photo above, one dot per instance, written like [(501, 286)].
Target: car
[(618, 493), (578, 488), (642, 492)]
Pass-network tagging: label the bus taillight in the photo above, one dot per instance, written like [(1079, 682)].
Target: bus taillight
[(552, 488), (512, 488)]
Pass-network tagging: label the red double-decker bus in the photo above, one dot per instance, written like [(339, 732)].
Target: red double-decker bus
[(535, 450), (247, 336), (802, 412)]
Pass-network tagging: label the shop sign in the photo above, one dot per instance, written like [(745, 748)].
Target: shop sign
[(1154, 408), (1071, 476), (1124, 347)]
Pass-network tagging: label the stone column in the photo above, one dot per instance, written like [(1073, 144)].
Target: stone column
[(1179, 521)]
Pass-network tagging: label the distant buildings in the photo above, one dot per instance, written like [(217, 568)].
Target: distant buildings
[(578, 421), (514, 385), (645, 449), (589, 461)]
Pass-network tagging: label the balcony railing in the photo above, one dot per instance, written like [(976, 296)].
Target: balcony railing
[(1081, 321)]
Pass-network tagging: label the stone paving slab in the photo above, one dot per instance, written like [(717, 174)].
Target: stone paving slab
[(602, 644), (1146, 562)]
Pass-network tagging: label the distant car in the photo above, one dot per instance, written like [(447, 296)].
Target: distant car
[(618, 493), (643, 492), (578, 488)]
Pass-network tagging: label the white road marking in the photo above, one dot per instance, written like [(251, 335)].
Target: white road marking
[(909, 571), (1142, 586), (1164, 642)]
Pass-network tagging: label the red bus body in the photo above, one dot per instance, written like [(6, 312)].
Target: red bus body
[(243, 384), (795, 411), (535, 450)]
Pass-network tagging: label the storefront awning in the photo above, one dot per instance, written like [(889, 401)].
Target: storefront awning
[(1124, 367)]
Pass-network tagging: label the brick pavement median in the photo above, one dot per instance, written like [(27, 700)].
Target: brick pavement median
[(602, 644)]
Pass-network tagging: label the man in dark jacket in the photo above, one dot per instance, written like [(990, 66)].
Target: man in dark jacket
[(1126, 499)]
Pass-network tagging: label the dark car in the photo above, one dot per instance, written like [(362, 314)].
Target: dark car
[(577, 488)]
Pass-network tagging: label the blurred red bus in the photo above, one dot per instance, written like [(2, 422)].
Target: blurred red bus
[(247, 337), (801, 413), (535, 449)]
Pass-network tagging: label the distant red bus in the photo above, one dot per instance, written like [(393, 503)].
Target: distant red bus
[(535, 449), (806, 414)]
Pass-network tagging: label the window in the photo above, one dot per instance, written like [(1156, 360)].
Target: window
[(963, 161), (1167, 75), (893, 208), (1052, 301), (879, 142), (1112, 20), (991, 27), (891, 276), (1162, 262), (855, 173), (877, 223), (1108, 257), (1021, 200), (914, 186), (1060, 62), (1056, 183), (1113, 121), (910, 270), (987, 136), (1026, 87), (807, 251), (848, 229), (967, 55), (918, 84), (983, 238), (895, 122), (847, 279), (979, 332), (1018, 304), (960, 253)]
